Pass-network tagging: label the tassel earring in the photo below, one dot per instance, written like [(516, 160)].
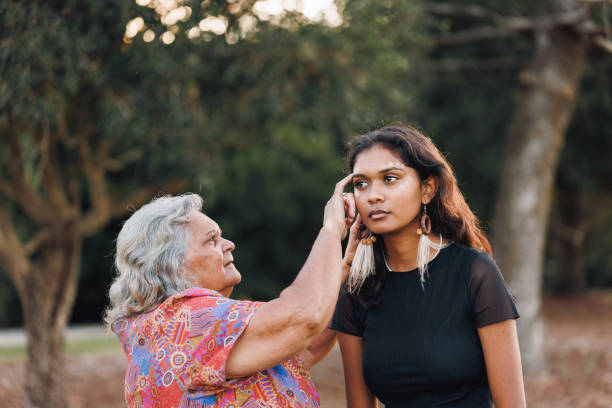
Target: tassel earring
[(363, 265), (425, 245)]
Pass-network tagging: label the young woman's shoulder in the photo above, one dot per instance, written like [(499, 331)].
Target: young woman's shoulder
[(467, 251), (491, 298), (465, 256)]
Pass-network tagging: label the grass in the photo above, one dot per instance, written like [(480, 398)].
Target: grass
[(72, 348)]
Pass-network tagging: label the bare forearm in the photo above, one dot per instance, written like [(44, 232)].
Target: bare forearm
[(284, 327), (315, 289), (319, 348)]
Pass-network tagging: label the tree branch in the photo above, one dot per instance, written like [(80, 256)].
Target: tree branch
[(595, 1), (13, 258), (602, 42), (600, 213), (39, 239), (484, 64), (21, 191), (509, 29), (504, 27), (7, 189), (575, 234), (118, 163), (53, 184), (565, 232), (99, 213), (63, 118), (459, 10)]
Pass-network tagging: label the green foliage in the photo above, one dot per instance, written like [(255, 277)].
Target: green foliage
[(285, 112), (258, 120), (584, 163), (67, 77), (258, 125), (468, 117), (270, 202), (66, 72), (468, 113), (584, 173)]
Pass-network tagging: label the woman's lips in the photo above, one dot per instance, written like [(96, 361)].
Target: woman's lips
[(377, 215)]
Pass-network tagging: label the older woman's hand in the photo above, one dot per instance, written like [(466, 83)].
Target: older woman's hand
[(339, 213), (357, 231)]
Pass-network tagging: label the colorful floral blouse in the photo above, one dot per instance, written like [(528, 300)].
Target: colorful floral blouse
[(176, 358)]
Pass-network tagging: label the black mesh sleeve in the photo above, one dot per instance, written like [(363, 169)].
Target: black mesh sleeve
[(349, 316), (492, 300)]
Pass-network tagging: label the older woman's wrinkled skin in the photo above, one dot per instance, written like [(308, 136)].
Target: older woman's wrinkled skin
[(209, 256)]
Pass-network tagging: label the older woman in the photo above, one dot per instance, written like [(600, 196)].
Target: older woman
[(187, 343)]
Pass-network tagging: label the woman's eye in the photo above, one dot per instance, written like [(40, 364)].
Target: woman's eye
[(359, 184), (390, 178)]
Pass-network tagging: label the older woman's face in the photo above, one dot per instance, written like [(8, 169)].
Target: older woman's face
[(209, 256)]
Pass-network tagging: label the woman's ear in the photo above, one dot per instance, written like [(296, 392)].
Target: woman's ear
[(429, 187)]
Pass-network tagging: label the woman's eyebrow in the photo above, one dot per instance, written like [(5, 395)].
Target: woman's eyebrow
[(212, 232), (391, 169), (359, 175)]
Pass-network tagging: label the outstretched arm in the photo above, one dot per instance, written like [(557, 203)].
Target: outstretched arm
[(321, 346), (285, 326)]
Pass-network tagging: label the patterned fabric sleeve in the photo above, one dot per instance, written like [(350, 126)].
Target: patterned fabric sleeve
[(492, 300), (216, 323)]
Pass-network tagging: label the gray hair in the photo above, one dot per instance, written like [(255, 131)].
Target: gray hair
[(150, 251)]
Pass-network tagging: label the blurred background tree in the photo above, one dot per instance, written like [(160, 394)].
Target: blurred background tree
[(545, 44), (251, 106)]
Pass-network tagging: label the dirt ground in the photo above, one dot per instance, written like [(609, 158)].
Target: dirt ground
[(578, 345)]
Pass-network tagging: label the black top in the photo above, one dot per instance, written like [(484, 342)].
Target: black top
[(420, 346)]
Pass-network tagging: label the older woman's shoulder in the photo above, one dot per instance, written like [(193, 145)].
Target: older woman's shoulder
[(206, 301), (195, 298)]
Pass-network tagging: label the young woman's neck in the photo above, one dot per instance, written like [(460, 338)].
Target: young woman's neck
[(401, 249)]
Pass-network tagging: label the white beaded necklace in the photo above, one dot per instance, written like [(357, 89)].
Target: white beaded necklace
[(438, 249)]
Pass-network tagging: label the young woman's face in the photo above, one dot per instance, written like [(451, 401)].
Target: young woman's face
[(388, 193)]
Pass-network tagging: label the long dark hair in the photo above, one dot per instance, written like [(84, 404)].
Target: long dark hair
[(448, 211)]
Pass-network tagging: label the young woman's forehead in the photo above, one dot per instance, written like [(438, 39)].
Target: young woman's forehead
[(377, 158)]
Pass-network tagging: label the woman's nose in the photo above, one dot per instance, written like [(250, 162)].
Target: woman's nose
[(228, 245), (375, 194)]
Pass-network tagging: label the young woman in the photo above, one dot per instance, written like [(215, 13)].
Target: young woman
[(425, 318)]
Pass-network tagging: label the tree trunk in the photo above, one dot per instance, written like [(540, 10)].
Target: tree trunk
[(51, 286), (570, 229), (543, 108)]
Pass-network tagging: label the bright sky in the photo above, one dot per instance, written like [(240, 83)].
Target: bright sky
[(316, 10), (172, 11)]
